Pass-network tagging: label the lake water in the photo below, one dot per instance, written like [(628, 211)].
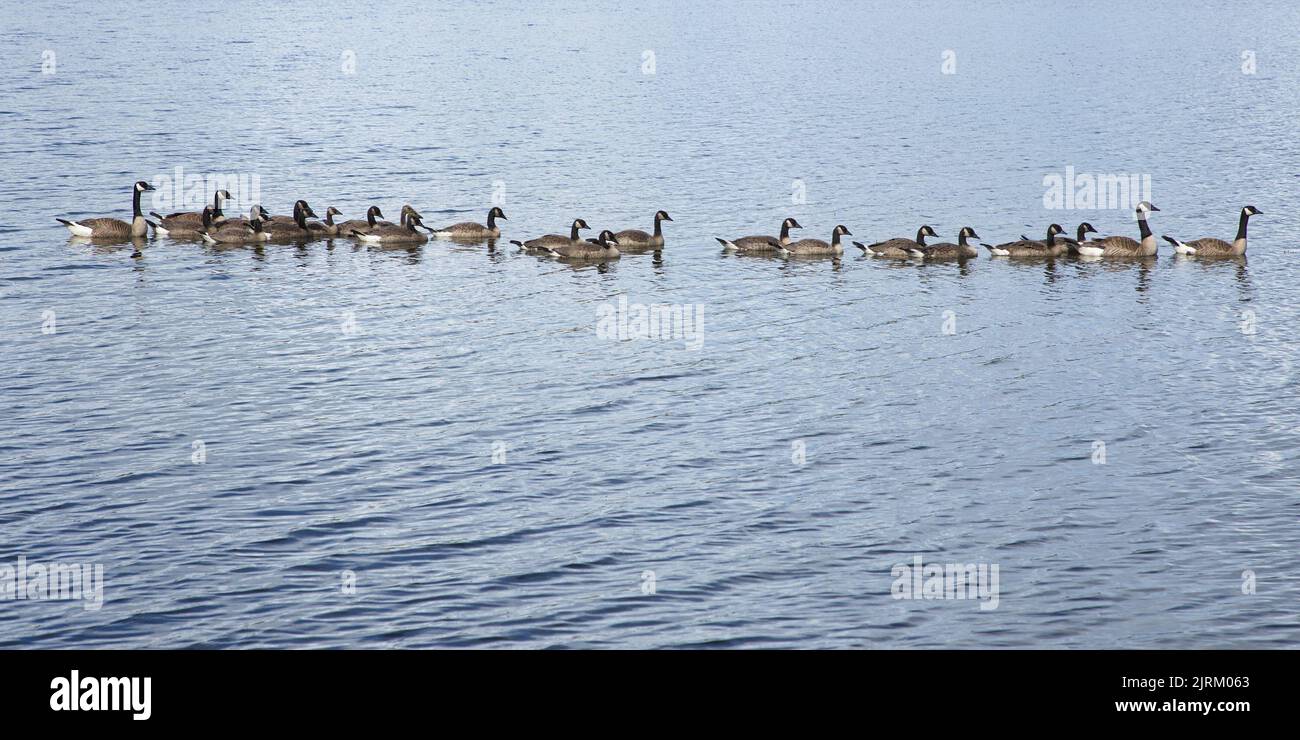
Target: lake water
[(335, 445)]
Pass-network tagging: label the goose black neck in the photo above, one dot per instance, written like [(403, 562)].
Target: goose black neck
[(1079, 234), (835, 237), (659, 229), (961, 239), (1143, 229), (329, 218), (920, 236), (1241, 225), (573, 233), (370, 217), (1051, 238), (135, 204), (300, 217), (492, 219), (785, 231), (216, 204)]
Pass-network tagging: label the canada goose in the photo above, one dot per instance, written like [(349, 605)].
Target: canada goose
[(239, 231), (373, 214), (1071, 244), (761, 243), (898, 248), (296, 229), (387, 233), (112, 228), (190, 221), (605, 247), (403, 217), (255, 213), (471, 230), (326, 227), (1211, 247), (817, 246), (543, 243), (185, 229), (1123, 246), (634, 238), (947, 250), (1049, 247)]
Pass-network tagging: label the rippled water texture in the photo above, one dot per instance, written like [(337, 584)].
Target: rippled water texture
[(446, 425)]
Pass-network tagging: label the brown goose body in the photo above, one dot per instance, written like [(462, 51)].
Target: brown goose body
[(1211, 247), (113, 228), (1118, 246)]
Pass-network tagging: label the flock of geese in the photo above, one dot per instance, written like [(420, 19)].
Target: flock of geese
[(214, 227)]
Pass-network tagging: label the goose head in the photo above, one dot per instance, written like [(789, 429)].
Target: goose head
[(1055, 229), (301, 207), (373, 212), (790, 223), (1085, 228), (841, 230), (332, 211), (496, 212), (662, 216), (1249, 211), (1144, 208), (221, 196), (141, 186), (967, 233), (580, 224), (258, 213), (607, 238), (925, 230), (408, 211)]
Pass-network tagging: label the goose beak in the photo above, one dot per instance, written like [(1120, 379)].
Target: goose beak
[(1154, 208), (147, 186)]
